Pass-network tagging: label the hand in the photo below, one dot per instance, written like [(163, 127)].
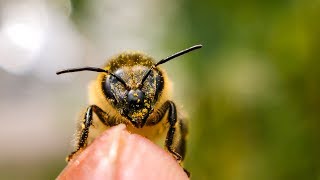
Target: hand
[(119, 155)]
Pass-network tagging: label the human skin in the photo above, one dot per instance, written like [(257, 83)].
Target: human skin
[(120, 155)]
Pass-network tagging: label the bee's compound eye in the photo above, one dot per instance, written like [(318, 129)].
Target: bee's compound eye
[(114, 90), (113, 80), (119, 73), (136, 98)]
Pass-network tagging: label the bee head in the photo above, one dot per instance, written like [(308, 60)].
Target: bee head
[(133, 89), (134, 96)]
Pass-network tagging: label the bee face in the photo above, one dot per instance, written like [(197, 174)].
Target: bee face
[(131, 83), (136, 98)]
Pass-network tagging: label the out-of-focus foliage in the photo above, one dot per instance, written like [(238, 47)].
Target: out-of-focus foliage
[(256, 88)]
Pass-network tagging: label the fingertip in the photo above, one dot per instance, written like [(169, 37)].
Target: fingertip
[(118, 154)]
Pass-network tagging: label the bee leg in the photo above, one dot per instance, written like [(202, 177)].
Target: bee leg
[(176, 136), (82, 141)]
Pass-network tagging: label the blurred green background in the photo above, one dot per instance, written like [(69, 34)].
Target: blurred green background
[(251, 93)]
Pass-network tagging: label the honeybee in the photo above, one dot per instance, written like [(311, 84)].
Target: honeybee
[(132, 89)]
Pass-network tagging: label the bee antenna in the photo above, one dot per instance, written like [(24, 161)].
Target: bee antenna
[(95, 69), (81, 69), (162, 61)]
